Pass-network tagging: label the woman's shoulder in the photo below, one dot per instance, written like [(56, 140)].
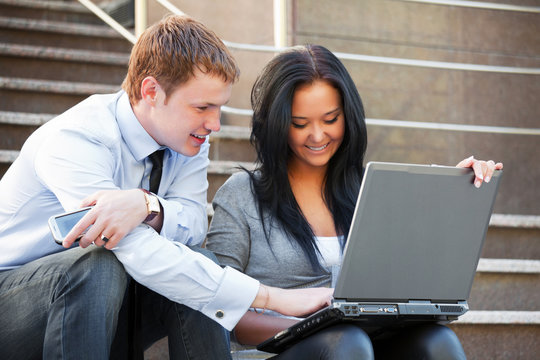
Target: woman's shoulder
[(239, 179), (237, 186), (237, 182)]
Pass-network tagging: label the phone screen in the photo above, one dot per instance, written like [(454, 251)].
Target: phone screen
[(62, 224), (67, 221)]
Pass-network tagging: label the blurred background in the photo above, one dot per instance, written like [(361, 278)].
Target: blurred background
[(440, 81)]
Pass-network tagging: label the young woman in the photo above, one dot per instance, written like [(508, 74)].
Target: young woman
[(286, 222)]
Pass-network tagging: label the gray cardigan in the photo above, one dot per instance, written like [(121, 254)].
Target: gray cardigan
[(237, 238)]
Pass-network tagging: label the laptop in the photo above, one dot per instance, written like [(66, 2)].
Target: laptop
[(412, 250)]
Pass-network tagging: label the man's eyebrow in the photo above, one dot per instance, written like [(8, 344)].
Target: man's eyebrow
[(203, 103), (328, 113)]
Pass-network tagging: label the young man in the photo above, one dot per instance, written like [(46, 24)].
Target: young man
[(65, 302)]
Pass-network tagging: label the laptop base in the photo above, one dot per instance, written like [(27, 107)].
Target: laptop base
[(373, 318)]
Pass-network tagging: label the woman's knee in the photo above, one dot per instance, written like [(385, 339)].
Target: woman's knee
[(346, 341), (435, 342)]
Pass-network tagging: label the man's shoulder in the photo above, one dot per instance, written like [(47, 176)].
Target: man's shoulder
[(98, 104), (95, 116)]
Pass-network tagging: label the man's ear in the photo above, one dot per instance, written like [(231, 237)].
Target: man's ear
[(149, 90)]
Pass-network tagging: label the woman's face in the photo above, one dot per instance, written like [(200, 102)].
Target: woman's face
[(317, 126)]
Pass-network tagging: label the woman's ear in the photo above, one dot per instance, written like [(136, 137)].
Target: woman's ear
[(149, 90)]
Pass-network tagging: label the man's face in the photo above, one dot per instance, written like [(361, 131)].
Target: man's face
[(190, 113)]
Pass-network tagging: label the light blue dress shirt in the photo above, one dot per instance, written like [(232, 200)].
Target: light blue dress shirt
[(97, 145)]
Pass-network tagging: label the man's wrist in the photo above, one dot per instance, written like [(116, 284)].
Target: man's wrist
[(153, 207)]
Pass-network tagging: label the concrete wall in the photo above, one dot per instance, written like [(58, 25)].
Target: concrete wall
[(242, 21), (394, 28), (440, 33)]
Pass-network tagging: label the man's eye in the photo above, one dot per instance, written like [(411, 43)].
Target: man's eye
[(202, 108)]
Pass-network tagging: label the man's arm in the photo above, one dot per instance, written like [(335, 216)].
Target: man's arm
[(182, 201)]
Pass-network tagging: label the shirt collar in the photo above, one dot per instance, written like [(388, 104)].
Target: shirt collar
[(139, 142)]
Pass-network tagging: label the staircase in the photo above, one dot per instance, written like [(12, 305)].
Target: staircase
[(54, 54)]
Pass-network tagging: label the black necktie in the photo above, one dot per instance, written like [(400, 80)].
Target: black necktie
[(135, 351), (157, 166)]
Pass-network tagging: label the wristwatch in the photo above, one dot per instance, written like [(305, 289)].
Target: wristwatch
[(152, 205)]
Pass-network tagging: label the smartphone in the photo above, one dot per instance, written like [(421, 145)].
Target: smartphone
[(62, 224)]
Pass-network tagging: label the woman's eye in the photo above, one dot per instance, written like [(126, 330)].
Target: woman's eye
[(298, 126), (331, 121)]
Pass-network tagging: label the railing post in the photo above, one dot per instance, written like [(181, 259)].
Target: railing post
[(280, 23), (141, 16)]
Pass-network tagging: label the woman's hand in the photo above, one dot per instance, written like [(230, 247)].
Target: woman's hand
[(293, 302), (483, 170), (256, 327)]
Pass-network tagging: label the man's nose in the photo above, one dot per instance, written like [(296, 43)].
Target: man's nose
[(213, 121)]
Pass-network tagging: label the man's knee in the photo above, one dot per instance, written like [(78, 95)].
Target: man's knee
[(100, 273)]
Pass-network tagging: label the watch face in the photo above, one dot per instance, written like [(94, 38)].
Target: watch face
[(153, 203)]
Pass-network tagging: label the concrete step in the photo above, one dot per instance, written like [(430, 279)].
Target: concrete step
[(15, 127), (232, 143), (494, 335), (6, 158), (44, 96), (499, 334), (219, 171), (47, 63), (70, 11), (61, 34), (506, 284), (513, 237)]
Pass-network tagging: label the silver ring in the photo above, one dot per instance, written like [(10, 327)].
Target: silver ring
[(104, 238)]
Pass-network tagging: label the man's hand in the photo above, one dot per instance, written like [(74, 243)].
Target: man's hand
[(114, 215), (483, 170)]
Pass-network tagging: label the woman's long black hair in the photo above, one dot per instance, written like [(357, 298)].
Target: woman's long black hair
[(271, 99)]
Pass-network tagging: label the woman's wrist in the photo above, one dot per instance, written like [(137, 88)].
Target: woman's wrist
[(266, 298), (263, 300)]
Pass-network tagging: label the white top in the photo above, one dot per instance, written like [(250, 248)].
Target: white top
[(330, 249), (97, 145)]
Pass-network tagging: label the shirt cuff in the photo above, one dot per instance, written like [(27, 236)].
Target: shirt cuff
[(233, 298)]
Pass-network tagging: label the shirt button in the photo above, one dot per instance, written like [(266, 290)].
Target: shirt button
[(220, 314)]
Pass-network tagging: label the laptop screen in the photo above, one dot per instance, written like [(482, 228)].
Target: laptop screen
[(417, 233)]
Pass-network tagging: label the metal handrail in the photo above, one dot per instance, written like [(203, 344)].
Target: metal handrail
[(357, 57), (109, 20), (423, 125), (480, 5), (401, 61), (344, 56)]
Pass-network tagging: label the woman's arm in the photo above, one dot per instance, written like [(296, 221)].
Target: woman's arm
[(254, 327)]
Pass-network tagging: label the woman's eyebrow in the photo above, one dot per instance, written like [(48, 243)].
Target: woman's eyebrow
[(328, 113), (333, 111)]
